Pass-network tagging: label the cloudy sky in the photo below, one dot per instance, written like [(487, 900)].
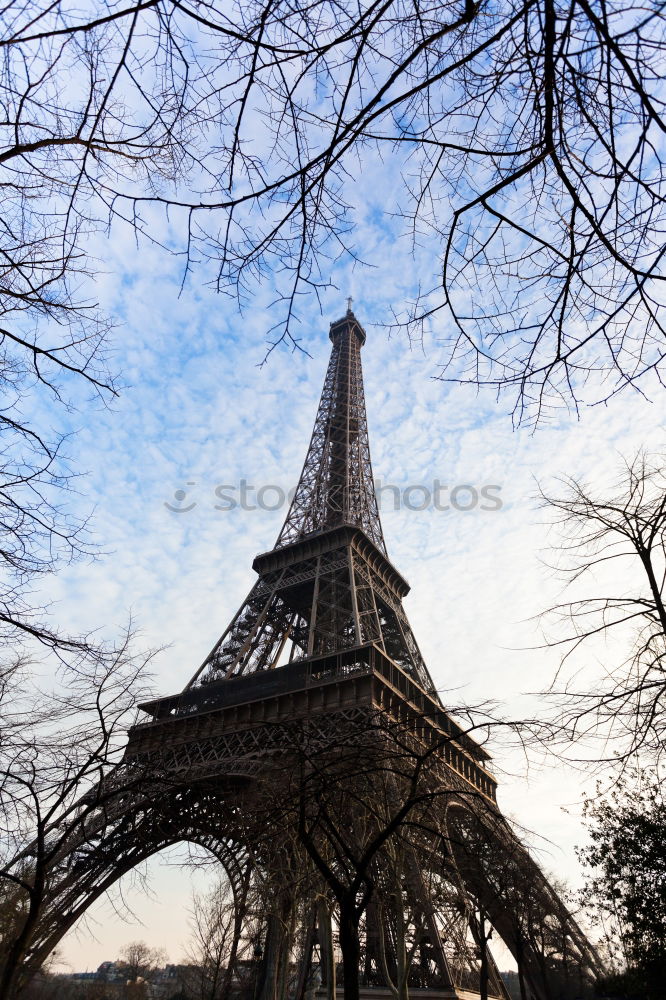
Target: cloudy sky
[(199, 411)]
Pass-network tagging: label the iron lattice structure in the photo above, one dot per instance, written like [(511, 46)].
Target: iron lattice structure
[(319, 678)]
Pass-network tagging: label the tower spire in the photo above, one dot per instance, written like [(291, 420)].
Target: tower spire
[(336, 485)]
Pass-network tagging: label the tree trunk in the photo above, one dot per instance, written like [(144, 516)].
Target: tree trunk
[(381, 947), (350, 947), (266, 986), (306, 960), (483, 947), (326, 949), (288, 920), (240, 908), (15, 973)]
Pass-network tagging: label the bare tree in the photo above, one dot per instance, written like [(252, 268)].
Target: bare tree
[(141, 960), (354, 797), (59, 755), (367, 810), (52, 349), (614, 540), (209, 950), (527, 136), (333, 816), (219, 921)]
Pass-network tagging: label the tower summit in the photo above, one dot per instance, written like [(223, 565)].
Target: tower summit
[(336, 485)]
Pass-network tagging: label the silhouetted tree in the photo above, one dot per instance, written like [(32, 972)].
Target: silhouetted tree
[(141, 960), (526, 137), (59, 755), (218, 920), (620, 706), (368, 810)]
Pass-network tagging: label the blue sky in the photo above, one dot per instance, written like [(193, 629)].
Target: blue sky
[(199, 409)]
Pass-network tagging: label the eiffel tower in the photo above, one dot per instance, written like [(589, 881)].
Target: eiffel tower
[(322, 645)]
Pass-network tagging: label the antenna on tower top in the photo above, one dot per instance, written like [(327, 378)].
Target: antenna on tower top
[(349, 304)]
